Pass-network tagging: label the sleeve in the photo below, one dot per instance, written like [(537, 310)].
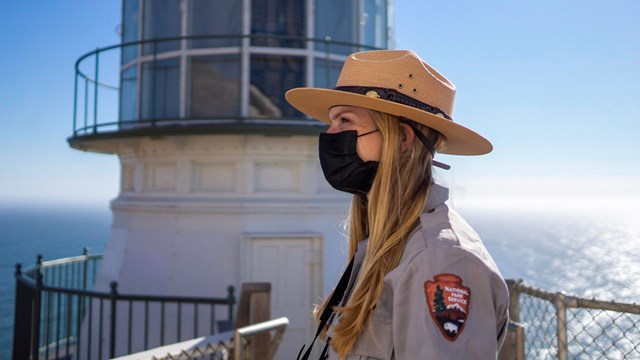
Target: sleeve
[(448, 304)]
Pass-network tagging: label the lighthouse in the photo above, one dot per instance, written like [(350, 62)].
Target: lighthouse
[(220, 182)]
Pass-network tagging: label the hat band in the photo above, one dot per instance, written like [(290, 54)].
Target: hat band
[(394, 96)]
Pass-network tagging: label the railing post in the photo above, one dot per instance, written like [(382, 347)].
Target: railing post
[(75, 102), (561, 315), (153, 82), (22, 317), (514, 299), (85, 269), (86, 104), (255, 307), (514, 314), (114, 298), (327, 62), (38, 267), (232, 300), (238, 343), (513, 347), (37, 308), (95, 92), (35, 317)]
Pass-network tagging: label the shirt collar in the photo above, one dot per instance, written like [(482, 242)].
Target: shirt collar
[(438, 195)]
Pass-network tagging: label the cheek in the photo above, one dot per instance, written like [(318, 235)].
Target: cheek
[(370, 150)]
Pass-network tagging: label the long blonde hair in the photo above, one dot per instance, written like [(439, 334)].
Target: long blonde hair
[(387, 217)]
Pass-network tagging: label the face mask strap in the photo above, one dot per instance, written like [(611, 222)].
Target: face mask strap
[(367, 133), (426, 142)]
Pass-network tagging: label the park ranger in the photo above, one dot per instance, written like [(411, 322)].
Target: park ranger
[(419, 283)]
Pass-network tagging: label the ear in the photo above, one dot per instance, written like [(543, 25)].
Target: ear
[(407, 136)]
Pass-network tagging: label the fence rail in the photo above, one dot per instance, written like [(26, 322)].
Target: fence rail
[(559, 326), (99, 75), (59, 315)]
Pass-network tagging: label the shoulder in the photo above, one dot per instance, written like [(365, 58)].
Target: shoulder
[(444, 243), (443, 228), (446, 255)]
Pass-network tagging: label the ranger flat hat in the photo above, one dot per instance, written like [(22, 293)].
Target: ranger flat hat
[(396, 82)]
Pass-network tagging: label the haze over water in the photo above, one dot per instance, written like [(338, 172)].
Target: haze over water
[(586, 255)]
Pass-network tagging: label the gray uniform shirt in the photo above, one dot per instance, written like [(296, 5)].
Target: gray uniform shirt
[(446, 298)]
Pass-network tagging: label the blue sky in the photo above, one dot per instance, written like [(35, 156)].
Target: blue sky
[(555, 85)]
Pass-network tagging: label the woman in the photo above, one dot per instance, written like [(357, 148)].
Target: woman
[(420, 283)]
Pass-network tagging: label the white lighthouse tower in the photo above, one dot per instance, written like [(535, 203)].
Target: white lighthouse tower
[(220, 179)]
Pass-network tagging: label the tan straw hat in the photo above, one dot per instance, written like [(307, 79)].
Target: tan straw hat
[(396, 82)]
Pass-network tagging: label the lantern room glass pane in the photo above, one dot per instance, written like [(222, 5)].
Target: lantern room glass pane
[(326, 73), (215, 86), (353, 21), (130, 29), (129, 94), (285, 18), (160, 89), (374, 22), (162, 19), (335, 20), (271, 77), (208, 17)]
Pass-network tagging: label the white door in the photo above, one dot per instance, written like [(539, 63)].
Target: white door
[(292, 265)]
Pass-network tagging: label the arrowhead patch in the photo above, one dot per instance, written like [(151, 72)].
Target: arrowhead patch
[(448, 303)]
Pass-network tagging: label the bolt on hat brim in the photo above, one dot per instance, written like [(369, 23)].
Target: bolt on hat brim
[(316, 102)]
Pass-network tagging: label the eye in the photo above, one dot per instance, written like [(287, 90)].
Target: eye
[(344, 120)]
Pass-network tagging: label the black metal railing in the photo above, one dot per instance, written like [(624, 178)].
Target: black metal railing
[(59, 316), (94, 76)]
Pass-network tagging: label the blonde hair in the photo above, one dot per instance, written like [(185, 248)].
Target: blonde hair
[(387, 217)]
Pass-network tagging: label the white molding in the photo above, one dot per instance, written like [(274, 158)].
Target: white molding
[(170, 205), (225, 169)]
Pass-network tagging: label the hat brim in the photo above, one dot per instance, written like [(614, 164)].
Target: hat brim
[(316, 102)]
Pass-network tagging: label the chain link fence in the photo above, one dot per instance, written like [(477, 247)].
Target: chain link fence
[(218, 351), (254, 342), (558, 326)]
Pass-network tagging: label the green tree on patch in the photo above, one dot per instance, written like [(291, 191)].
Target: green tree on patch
[(438, 300)]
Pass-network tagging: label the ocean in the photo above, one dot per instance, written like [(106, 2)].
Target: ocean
[(583, 253), (54, 231), (587, 253)]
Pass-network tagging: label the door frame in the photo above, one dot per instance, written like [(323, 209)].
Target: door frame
[(315, 260), (315, 257)]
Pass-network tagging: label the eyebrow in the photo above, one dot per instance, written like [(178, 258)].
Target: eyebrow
[(340, 113)]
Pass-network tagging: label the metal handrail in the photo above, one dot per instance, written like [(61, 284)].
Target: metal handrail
[(573, 301), (326, 41), (49, 313), (241, 335), (87, 125)]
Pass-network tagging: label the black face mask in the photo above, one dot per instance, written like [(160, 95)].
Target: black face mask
[(341, 165)]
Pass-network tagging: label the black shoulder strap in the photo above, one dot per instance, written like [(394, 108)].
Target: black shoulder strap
[(337, 295)]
